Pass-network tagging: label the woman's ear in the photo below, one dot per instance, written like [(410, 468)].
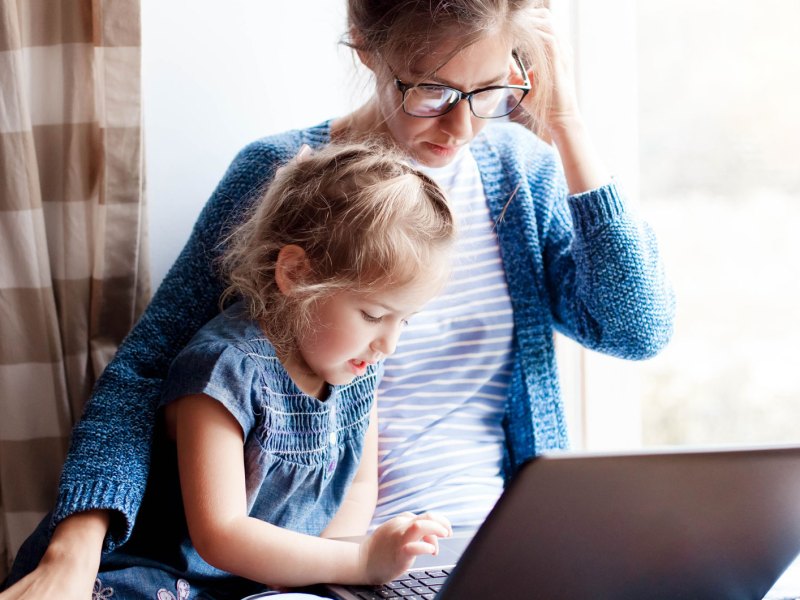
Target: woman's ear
[(364, 56), (291, 268)]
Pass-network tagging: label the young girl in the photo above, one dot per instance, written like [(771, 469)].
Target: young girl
[(553, 244), (269, 417)]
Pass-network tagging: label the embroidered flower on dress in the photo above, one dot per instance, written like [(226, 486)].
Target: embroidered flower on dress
[(101, 593), (182, 587)]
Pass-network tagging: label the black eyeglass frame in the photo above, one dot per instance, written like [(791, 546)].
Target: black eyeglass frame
[(525, 87)]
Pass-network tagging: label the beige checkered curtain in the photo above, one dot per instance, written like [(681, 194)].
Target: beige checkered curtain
[(73, 262)]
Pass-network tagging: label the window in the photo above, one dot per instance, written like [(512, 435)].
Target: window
[(707, 92)]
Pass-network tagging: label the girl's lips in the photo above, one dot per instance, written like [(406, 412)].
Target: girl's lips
[(358, 366)]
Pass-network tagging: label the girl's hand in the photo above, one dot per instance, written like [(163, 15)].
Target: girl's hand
[(392, 547)]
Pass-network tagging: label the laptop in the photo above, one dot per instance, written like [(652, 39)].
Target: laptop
[(721, 523)]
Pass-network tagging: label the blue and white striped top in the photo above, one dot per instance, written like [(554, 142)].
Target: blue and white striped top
[(441, 400)]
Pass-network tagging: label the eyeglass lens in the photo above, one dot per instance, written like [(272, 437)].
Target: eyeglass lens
[(435, 100)]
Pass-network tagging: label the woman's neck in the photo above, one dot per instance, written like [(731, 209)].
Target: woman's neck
[(364, 123)]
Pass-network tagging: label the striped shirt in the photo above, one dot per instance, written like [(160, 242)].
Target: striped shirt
[(441, 401)]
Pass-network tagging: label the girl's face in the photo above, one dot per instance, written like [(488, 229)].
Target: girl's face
[(435, 141), (350, 331)]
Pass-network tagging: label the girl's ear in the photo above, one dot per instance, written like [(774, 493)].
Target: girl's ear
[(291, 268)]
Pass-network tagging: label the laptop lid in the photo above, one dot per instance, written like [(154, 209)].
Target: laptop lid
[(706, 524)]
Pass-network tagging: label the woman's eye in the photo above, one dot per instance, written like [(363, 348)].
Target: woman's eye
[(404, 322), (369, 318)]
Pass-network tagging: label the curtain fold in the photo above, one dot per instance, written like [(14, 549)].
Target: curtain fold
[(74, 273)]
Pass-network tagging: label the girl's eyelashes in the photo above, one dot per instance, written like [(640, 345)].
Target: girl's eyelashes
[(369, 318)]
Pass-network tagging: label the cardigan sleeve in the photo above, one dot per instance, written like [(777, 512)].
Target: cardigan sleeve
[(605, 278), (108, 461), (585, 265)]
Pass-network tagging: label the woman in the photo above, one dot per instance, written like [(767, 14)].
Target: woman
[(547, 243)]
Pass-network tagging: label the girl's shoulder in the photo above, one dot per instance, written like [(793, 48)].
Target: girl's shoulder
[(228, 358), (232, 328)]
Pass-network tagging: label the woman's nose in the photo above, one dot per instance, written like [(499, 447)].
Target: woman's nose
[(458, 122)]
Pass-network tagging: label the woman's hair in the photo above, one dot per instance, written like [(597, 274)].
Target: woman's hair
[(405, 31), (365, 219)]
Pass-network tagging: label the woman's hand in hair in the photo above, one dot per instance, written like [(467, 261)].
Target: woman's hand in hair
[(562, 123), (561, 99)]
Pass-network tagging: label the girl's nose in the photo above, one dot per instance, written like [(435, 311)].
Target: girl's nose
[(387, 342)]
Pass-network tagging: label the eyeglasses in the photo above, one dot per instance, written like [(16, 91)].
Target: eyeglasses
[(428, 100)]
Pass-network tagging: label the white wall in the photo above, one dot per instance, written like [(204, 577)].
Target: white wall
[(217, 75)]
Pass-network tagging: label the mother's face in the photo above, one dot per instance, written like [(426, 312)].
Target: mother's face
[(435, 141)]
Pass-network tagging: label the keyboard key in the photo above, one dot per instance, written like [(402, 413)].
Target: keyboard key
[(421, 590), (396, 584), (437, 573), (433, 580)]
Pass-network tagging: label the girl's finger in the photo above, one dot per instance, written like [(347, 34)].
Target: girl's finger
[(420, 528), (434, 541), (439, 518), (417, 548)]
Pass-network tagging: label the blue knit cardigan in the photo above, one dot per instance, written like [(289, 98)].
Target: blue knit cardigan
[(582, 265)]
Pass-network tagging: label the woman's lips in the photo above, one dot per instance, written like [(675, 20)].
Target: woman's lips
[(442, 150)]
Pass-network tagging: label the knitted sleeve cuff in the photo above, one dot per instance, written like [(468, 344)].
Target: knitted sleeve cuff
[(100, 495), (596, 208)]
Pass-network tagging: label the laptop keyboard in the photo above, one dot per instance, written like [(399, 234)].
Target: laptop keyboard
[(415, 585)]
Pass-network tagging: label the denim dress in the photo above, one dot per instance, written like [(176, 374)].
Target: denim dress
[(300, 453)]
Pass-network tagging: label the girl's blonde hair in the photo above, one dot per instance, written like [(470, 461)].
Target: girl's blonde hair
[(365, 219), (406, 31)]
